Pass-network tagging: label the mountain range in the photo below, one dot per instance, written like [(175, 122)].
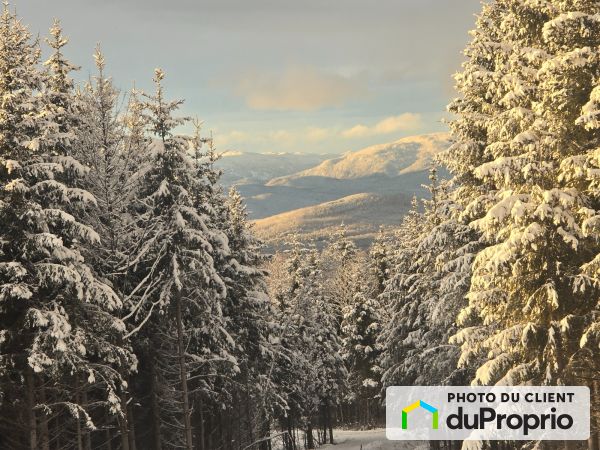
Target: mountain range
[(313, 194)]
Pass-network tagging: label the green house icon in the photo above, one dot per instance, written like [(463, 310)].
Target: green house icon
[(425, 406)]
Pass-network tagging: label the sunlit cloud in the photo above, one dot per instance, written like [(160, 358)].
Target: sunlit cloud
[(298, 89), (235, 138), (316, 134), (389, 125), (283, 138), (230, 138)]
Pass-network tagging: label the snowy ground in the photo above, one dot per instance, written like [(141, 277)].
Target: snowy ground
[(369, 440)]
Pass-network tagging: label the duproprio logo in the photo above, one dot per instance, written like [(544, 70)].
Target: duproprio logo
[(426, 407), (516, 413)]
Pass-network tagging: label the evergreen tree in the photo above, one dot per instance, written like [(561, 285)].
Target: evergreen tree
[(62, 109), (426, 292), (292, 365), (523, 161), (111, 144), (316, 332), (341, 268), (59, 323), (180, 295), (379, 261), (250, 309), (113, 153), (360, 328), (310, 369)]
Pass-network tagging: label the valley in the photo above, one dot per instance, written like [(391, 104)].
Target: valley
[(311, 195)]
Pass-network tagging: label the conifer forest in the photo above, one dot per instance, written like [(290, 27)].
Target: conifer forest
[(140, 311)]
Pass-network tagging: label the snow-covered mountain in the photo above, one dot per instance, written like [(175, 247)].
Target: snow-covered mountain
[(245, 167), (311, 193), (362, 214), (411, 154)]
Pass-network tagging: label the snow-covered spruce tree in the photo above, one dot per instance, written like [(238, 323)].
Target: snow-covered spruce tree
[(319, 331), (402, 246), (292, 363), (178, 300), (215, 416), (284, 271), (62, 109), (379, 261), (249, 397), (429, 277), (63, 113), (525, 163), (249, 315), (111, 144), (359, 330), (59, 324), (340, 261), (361, 324), (314, 327), (310, 370), (403, 254)]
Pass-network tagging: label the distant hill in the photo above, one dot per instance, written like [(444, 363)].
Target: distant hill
[(313, 194), (268, 200), (247, 168), (362, 214), (412, 154)]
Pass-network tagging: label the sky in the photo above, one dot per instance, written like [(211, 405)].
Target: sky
[(318, 76)]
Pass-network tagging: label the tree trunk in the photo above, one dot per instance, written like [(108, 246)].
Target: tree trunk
[(250, 431), (78, 402), (323, 425), (108, 440), (123, 423), (183, 375), (240, 419), (295, 441), (209, 443), (288, 421), (131, 422), (30, 399), (155, 406), (87, 440), (232, 430), (221, 430), (57, 428), (310, 442), (266, 432), (44, 432), (329, 421), (201, 432)]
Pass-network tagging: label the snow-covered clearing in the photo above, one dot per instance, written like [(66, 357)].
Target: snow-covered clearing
[(369, 440)]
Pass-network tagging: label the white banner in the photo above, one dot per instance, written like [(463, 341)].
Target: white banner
[(487, 413)]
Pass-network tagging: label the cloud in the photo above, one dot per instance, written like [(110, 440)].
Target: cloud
[(226, 139), (234, 138), (356, 131), (282, 136), (286, 139), (403, 122), (315, 134), (298, 89)]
